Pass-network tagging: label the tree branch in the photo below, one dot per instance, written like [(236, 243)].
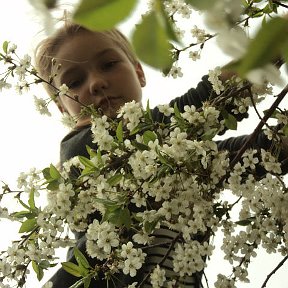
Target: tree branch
[(252, 137), (280, 3), (274, 271)]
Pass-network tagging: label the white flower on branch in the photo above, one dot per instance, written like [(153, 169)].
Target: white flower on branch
[(249, 160), (131, 112), (199, 34), (175, 72), (4, 85), (158, 277), (194, 55), (133, 258), (68, 120), (22, 87), (215, 80), (5, 267), (269, 162), (104, 235), (165, 109), (41, 106), (224, 282), (15, 254), (24, 65), (63, 90)]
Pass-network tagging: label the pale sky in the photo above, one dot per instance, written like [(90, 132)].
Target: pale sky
[(29, 139)]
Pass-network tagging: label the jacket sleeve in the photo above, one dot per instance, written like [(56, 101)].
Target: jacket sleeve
[(234, 144), (196, 96)]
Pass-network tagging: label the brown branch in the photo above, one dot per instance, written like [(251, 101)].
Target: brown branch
[(173, 242), (274, 270), (279, 3), (252, 137)]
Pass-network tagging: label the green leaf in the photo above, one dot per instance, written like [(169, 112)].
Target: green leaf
[(209, 135), (86, 162), (126, 218), (5, 46), (90, 151), (54, 173), (46, 173), (231, 122), (140, 146), (28, 225), (119, 132), (150, 226), (31, 200), (81, 259), (151, 42), (87, 281), (108, 203), (148, 113), (119, 216), (103, 14), (266, 46), (166, 20), (38, 270), (149, 136), (72, 269), (245, 222), (115, 179), (53, 185), (176, 111), (44, 264), (22, 214)]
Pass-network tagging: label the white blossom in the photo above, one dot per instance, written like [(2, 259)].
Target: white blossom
[(157, 277), (63, 90), (215, 80), (68, 120), (41, 106), (176, 72)]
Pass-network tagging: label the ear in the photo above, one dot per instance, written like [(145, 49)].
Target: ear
[(140, 73)]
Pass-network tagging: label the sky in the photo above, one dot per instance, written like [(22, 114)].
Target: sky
[(29, 139)]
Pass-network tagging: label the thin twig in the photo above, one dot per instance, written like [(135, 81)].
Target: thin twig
[(280, 3), (173, 242), (274, 271)]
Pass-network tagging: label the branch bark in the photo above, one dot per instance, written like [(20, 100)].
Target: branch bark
[(274, 271)]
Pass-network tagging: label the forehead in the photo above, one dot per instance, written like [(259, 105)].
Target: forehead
[(84, 45)]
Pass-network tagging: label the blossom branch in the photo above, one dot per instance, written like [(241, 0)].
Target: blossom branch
[(280, 3), (173, 242), (252, 137)]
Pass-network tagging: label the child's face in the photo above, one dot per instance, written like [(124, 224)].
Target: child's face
[(98, 72)]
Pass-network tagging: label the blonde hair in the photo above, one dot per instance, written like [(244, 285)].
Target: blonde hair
[(48, 48)]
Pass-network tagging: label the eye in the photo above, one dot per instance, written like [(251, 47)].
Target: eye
[(109, 64), (73, 84)]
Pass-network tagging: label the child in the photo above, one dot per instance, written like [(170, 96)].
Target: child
[(100, 68)]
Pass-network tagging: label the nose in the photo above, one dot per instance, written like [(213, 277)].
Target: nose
[(97, 85)]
